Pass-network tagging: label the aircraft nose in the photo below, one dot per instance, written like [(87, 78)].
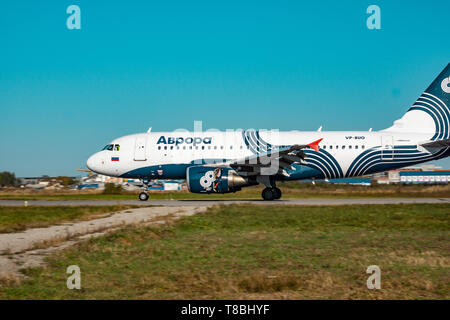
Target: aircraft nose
[(90, 163), (93, 163)]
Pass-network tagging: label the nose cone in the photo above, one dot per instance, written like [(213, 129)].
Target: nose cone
[(93, 163)]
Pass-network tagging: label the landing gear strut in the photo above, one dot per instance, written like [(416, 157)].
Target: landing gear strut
[(143, 196), (271, 194)]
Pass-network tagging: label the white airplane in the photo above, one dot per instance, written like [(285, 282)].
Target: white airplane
[(221, 162)]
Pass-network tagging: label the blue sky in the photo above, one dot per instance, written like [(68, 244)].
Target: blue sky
[(232, 64)]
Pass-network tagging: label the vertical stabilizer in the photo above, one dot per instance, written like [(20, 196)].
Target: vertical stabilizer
[(430, 113)]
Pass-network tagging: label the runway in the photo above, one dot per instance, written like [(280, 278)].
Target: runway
[(208, 203)]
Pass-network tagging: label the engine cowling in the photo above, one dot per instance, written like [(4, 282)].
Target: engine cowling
[(203, 179)]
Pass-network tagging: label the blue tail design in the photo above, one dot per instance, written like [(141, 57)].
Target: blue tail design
[(430, 113)]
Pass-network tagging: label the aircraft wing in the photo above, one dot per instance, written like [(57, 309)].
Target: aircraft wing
[(437, 144), (273, 162)]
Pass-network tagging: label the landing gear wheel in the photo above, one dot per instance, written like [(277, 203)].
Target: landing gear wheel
[(143, 196), (277, 193), (268, 194)]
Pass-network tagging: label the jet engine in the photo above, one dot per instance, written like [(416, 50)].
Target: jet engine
[(204, 179)]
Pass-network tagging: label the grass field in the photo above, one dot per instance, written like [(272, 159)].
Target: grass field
[(13, 219), (235, 252), (290, 190)]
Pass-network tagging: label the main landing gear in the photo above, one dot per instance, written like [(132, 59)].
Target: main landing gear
[(271, 193), (143, 196)]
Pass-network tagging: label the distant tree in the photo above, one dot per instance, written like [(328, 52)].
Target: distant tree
[(65, 181), (111, 188), (8, 179)]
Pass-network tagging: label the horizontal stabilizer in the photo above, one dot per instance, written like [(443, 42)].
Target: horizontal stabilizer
[(437, 144)]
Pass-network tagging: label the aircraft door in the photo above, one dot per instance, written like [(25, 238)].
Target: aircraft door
[(387, 147), (140, 148)]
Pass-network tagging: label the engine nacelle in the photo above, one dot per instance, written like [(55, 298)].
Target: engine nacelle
[(203, 179)]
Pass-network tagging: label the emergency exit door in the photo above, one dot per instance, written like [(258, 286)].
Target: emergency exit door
[(140, 152), (387, 147)]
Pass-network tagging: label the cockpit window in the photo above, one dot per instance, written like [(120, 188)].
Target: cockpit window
[(108, 147), (116, 147)]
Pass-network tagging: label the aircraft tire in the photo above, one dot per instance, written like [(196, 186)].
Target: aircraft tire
[(143, 196), (268, 194), (277, 193)]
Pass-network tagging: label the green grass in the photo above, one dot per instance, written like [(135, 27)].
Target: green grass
[(291, 190), (252, 252), (13, 219)]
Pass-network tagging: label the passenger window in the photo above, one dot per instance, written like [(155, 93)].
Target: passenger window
[(171, 147), (331, 147), (343, 147), (215, 147), (337, 147), (324, 147), (349, 147), (184, 147), (203, 147), (159, 147), (362, 147), (165, 147), (356, 147), (221, 147)]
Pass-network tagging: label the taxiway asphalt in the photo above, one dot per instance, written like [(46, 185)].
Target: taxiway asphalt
[(208, 203)]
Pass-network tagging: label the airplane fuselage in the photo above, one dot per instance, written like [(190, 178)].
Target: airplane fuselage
[(214, 161), (167, 155)]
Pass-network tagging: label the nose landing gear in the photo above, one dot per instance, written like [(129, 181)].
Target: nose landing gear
[(143, 196)]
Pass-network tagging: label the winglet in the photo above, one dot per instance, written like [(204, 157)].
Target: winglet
[(315, 145)]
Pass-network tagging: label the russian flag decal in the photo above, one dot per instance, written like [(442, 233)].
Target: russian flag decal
[(114, 158)]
